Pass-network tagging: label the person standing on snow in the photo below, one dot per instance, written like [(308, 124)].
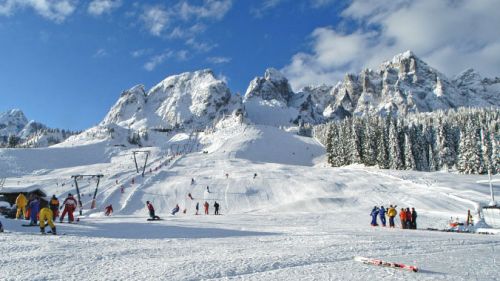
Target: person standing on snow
[(34, 209), (151, 210), (197, 207), (206, 207), (374, 215), (47, 215), (413, 218), (408, 218), (69, 205), (381, 212), (208, 189), (54, 206), (1, 227), (216, 206), (21, 203), (392, 214), (402, 217)]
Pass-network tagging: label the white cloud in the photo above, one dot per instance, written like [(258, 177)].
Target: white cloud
[(139, 53), (157, 60), (99, 7), (54, 10), (100, 53), (449, 35), (155, 19), (265, 6), (218, 60), (210, 9), (202, 47)]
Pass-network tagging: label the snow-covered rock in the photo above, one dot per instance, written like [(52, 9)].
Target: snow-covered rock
[(28, 133), (189, 100)]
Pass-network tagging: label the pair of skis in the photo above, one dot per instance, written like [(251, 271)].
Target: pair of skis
[(386, 263)]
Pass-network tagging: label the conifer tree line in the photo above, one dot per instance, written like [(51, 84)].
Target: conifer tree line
[(466, 140)]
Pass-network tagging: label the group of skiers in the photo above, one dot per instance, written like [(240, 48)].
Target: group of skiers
[(176, 209), (41, 212), (408, 218)]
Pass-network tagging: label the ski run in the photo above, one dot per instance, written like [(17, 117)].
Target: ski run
[(284, 214)]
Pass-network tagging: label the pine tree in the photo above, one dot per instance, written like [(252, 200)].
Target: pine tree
[(408, 152), (395, 153)]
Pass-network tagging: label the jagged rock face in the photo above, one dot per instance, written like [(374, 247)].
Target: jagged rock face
[(273, 86), (192, 99), (12, 122), (31, 128), (404, 84), (478, 90)]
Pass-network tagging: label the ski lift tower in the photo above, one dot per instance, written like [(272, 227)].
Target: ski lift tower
[(491, 212), (147, 152), (2, 182), (80, 177)]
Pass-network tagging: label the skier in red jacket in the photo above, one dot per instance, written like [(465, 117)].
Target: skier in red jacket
[(152, 211), (69, 207), (408, 218), (109, 210)]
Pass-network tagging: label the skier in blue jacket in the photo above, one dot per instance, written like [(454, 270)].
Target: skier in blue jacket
[(382, 212), (175, 210), (374, 214), (34, 209)]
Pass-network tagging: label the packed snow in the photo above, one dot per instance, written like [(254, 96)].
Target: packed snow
[(285, 214)]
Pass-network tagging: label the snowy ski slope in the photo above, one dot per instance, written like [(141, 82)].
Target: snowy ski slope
[(297, 219)]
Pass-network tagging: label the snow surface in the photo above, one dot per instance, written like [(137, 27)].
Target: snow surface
[(296, 220)]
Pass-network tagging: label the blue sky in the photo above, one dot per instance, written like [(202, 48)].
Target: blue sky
[(65, 62)]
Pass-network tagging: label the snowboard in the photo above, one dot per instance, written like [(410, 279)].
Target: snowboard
[(386, 263), (155, 219)]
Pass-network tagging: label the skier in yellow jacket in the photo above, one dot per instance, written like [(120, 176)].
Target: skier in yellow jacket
[(391, 212), (21, 203), (46, 214)]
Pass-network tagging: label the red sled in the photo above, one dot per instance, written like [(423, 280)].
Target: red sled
[(386, 263)]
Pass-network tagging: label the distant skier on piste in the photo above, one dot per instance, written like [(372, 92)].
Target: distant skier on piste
[(108, 210), (391, 212), (151, 210), (216, 206), (402, 218), (34, 209), (69, 205), (21, 203), (46, 214), (175, 210), (374, 215), (54, 207), (206, 206), (413, 218), (408, 218), (381, 213), (197, 207)]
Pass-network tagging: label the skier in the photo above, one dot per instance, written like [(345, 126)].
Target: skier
[(402, 217), (208, 189), (1, 227), (69, 205), (192, 181), (47, 215), (109, 210), (381, 212), (206, 207), (413, 218), (21, 203), (254, 175), (216, 206), (392, 214), (151, 210), (122, 189), (34, 209), (408, 218), (197, 207), (175, 210), (190, 196), (374, 214), (227, 175), (54, 207)]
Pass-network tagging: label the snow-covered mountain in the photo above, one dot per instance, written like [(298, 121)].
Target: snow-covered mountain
[(408, 84), (24, 133), (191, 100)]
